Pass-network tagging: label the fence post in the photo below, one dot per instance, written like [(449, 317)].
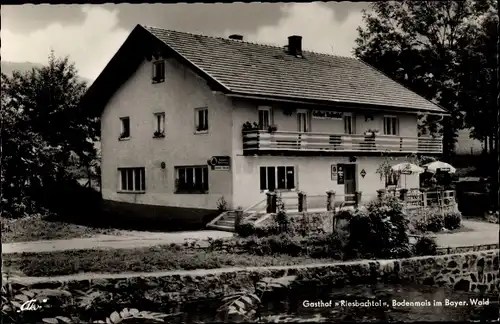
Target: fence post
[(330, 200), (357, 199), (271, 202), (238, 218), (302, 201)]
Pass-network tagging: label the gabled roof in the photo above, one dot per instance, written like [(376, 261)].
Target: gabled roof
[(244, 68)]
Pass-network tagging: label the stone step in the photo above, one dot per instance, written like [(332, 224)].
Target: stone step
[(222, 228), (224, 223)]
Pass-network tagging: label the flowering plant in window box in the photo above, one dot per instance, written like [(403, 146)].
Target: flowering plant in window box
[(201, 128), (158, 134), (157, 79), (248, 126), (272, 128), (372, 132), (122, 136)]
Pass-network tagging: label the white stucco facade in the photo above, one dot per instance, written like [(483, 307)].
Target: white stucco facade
[(178, 97)]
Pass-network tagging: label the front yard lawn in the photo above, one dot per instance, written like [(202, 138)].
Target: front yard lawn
[(36, 229), (158, 258)]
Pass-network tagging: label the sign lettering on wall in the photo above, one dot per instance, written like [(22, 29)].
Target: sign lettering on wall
[(220, 162), (340, 174), (325, 114), (334, 171)]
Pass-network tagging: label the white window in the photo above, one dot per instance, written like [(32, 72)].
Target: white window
[(159, 71), (349, 125), (303, 124), (191, 179), (132, 179), (125, 127), (159, 125), (391, 125), (265, 117), (201, 120), (280, 177)]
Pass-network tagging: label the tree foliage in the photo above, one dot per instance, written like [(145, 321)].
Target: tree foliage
[(42, 129), (442, 51)]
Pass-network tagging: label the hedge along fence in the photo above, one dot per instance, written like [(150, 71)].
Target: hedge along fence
[(467, 248)]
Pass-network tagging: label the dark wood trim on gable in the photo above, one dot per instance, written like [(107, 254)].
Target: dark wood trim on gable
[(139, 45)]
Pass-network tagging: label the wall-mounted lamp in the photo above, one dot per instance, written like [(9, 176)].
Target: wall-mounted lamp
[(163, 165)]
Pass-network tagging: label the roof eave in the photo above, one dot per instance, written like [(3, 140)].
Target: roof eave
[(253, 96)]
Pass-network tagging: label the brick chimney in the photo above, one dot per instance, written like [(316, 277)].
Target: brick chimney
[(295, 45), (236, 37)]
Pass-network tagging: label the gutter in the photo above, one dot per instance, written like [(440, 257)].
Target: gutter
[(401, 110)]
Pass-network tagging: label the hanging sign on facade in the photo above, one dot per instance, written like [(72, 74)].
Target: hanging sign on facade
[(334, 172), (325, 114), (220, 162)]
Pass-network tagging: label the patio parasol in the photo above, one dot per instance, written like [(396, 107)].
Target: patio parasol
[(443, 166), (407, 168)]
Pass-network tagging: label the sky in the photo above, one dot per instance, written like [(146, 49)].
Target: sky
[(91, 34)]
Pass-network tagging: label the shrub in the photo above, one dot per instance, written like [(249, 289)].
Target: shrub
[(324, 245), (276, 244), (309, 224), (245, 229), (379, 231), (425, 246), (452, 220), (434, 223), (221, 204), (418, 226)]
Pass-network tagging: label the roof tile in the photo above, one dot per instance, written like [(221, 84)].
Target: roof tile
[(257, 69)]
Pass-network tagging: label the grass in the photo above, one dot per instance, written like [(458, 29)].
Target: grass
[(37, 229), (158, 258), (457, 230)]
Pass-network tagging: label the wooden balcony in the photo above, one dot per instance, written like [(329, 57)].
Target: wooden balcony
[(262, 141)]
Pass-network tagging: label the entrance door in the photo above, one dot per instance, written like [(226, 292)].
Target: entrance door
[(349, 181)]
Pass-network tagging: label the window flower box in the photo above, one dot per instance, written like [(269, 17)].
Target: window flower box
[(159, 134)]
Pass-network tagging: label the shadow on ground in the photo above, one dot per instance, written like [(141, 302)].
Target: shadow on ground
[(72, 203)]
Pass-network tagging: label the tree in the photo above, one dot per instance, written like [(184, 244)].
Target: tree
[(41, 129), (425, 45)]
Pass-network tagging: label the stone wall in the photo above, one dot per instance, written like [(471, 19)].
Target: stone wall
[(475, 271)]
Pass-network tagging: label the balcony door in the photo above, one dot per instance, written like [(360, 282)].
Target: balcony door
[(265, 117), (303, 122), (349, 124), (303, 126)]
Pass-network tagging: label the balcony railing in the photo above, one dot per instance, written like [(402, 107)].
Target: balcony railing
[(262, 140)]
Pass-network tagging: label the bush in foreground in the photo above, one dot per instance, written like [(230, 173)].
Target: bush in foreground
[(425, 246), (379, 231), (434, 223), (452, 220)]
